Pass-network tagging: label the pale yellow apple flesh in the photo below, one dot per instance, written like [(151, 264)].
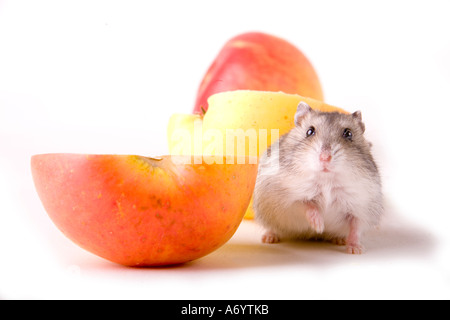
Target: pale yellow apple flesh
[(238, 123)]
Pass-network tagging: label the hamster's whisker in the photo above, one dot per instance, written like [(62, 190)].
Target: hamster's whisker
[(337, 152)]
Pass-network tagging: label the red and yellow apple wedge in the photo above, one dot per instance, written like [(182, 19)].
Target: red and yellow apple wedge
[(139, 211)]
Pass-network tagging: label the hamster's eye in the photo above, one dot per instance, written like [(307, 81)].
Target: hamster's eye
[(311, 131), (347, 134)]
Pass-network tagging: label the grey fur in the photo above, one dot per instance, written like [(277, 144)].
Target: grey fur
[(352, 188)]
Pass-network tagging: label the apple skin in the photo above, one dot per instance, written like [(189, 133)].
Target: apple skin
[(258, 61), (139, 211)]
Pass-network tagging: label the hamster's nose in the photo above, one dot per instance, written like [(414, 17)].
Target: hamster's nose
[(325, 156)]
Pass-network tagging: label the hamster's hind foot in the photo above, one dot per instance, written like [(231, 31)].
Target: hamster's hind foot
[(355, 248), (270, 237), (353, 243), (338, 241)]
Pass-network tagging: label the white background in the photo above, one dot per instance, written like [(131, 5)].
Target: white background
[(104, 77)]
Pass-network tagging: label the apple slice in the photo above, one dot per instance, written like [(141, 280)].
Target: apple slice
[(262, 115), (139, 211)]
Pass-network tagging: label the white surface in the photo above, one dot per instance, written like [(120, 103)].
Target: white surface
[(104, 77)]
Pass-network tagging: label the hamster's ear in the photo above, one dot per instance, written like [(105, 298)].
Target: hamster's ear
[(302, 110), (358, 117)]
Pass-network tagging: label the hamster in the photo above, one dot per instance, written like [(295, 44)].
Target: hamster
[(319, 181)]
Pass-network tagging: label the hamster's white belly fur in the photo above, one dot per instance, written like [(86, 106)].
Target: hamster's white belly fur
[(338, 198)]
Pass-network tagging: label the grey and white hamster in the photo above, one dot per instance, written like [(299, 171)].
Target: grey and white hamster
[(319, 181)]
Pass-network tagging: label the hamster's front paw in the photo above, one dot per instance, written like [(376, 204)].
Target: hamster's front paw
[(315, 219), (270, 237)]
